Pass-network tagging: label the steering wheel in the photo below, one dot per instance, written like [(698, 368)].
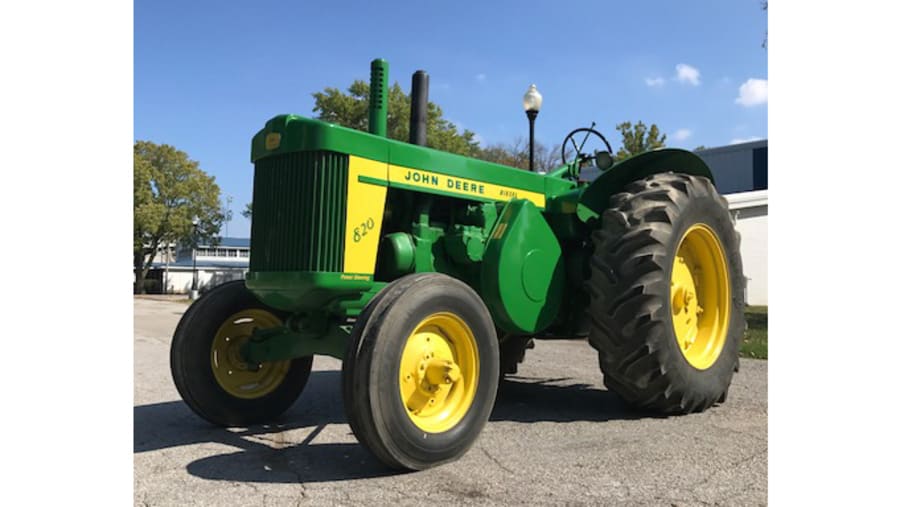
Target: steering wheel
[(588, 131)]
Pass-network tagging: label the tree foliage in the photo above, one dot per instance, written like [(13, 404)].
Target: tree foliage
[(351, 110), (638, 139), (515, 154), (170, 190)]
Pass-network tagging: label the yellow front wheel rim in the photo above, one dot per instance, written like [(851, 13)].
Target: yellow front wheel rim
[(439, 372), (232, 373), (700, 296)]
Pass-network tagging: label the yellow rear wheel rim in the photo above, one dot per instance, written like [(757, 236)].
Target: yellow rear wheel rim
[(439, 372), (232, 373), (700, 296)]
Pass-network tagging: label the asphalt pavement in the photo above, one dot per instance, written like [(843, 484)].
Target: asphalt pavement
[(556, 436)]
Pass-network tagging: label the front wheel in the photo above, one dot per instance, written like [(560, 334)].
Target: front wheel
[(667, 304), (421, 370), (209, 372)]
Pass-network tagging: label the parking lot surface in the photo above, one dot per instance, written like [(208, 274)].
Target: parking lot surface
[(556, 436)]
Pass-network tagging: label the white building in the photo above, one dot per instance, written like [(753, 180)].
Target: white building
[(751, 213), (741, 172), (173, 269)]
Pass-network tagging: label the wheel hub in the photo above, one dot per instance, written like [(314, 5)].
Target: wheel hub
[(233, 374), (699, 283), (438, 372)]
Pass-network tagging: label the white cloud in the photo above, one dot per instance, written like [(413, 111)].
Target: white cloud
[(747, 140), (682, 134), (687, 74), (654, 81), (753, 92), (480, 77)]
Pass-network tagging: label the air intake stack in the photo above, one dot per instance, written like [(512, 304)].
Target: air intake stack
[(378, 97), (418, 111)]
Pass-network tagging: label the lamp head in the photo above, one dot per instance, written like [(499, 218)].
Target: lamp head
[(532, 99)]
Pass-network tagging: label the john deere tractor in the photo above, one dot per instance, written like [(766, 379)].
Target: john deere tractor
[(429, 273)]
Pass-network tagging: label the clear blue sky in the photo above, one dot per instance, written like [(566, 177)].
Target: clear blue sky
[(207, 75)]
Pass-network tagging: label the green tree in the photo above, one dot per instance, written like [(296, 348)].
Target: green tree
[(638, 139), (170, 191), (351, 110), (248, 211)]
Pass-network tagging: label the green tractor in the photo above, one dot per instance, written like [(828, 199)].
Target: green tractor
[(428, 274)]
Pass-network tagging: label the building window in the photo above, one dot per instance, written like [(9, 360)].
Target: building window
[(245, 253), (232, 253)]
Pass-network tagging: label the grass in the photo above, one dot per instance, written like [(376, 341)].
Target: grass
[(756, 339)]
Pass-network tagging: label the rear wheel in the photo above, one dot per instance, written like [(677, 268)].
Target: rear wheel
[(667, 304), (209, 372), (421, 370)]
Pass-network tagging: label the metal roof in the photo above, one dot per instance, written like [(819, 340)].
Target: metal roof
[(232, 242), (749, 145), (203, 264)]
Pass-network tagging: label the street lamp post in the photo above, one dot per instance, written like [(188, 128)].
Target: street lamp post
[(195, 223), (532, 104)]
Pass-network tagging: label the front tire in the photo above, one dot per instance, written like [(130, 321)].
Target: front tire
[(421, 370), (207, 368), (667, 306)]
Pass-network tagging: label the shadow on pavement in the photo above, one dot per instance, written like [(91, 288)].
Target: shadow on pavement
[(173, 424), (528, 400), (265, 457)]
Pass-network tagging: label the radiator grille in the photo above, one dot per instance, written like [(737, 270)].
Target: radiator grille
[(299, 211)]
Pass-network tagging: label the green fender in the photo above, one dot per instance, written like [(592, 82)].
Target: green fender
[(595, 197)]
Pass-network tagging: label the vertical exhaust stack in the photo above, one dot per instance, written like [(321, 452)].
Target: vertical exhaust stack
[(378, 97), (418, 111)]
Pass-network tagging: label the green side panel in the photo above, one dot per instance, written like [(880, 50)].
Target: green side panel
[(291, 133), (299, 212), (596, 196), (561, 214), (522, 276), (297, 291)]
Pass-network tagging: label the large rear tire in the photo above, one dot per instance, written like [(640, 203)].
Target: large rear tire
[(208, 371), (667, 294), (421, 370)]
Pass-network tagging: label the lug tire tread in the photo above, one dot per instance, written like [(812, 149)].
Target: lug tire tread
[(629, 289)]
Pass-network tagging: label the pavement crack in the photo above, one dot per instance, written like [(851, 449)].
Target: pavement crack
[(496, 461)]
